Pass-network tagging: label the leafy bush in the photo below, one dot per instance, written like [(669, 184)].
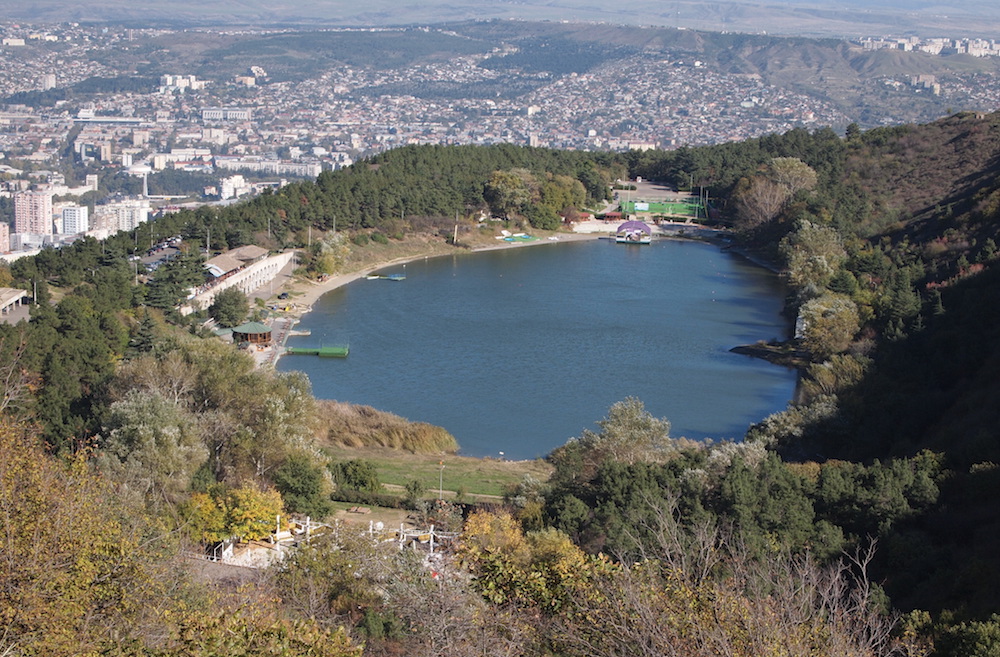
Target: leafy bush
[(356, 474), (414, 489)]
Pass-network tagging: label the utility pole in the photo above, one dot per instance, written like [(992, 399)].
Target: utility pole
[(441, 482)]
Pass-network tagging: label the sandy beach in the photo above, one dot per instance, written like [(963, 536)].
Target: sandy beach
[(305, 293)]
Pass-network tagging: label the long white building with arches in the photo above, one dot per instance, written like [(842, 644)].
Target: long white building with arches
[(247, 269)]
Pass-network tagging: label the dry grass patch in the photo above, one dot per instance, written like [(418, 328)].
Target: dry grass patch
[(350, 425)]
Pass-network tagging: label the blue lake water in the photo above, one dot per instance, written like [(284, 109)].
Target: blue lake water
[(518, 350)]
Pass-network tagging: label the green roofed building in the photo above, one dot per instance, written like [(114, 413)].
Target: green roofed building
[(252, 332)]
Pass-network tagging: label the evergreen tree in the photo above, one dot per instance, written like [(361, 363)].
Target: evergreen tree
[(144, 337)]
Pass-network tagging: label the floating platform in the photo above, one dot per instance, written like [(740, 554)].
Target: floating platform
[(337, 351)]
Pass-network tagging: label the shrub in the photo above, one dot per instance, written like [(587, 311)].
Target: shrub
[(356, 474), (414, 489), (384, 500)]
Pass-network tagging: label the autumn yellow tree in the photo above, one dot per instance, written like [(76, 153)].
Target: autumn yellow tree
[(248, 513), (249, 630), (73, 568), (539, 569)]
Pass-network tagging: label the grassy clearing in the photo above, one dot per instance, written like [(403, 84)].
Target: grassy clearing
[(477, 478), (389, 517)]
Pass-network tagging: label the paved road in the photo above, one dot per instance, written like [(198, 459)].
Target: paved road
[(270, 291), (16, 314)]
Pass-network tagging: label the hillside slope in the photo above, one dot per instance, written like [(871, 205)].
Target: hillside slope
[(931, 199)]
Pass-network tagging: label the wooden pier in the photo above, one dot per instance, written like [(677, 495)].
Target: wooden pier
[(335, 351)]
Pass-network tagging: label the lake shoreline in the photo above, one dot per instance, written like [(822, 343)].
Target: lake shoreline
[(589, 230)]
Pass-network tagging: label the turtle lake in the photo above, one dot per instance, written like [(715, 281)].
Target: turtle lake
[(518, 350)]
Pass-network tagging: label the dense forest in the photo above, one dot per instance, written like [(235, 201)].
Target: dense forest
[(857, 521)]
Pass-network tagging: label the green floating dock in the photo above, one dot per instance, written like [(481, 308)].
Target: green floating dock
[(323, 352)]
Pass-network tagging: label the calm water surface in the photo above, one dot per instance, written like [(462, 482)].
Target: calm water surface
[(518, 350)]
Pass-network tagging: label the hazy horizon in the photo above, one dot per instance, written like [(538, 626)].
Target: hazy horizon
[(812, 18)]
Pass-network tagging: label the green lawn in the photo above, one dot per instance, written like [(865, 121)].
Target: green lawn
[(476, 477)]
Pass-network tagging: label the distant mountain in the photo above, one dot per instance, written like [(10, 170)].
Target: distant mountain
[(805, 17)]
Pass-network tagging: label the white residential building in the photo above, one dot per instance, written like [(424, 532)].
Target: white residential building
[(226, 114), (233, 187), (180, 83), (123, 215), (75, 219)]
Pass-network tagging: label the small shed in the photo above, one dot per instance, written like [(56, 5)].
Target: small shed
[(252, 332)]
